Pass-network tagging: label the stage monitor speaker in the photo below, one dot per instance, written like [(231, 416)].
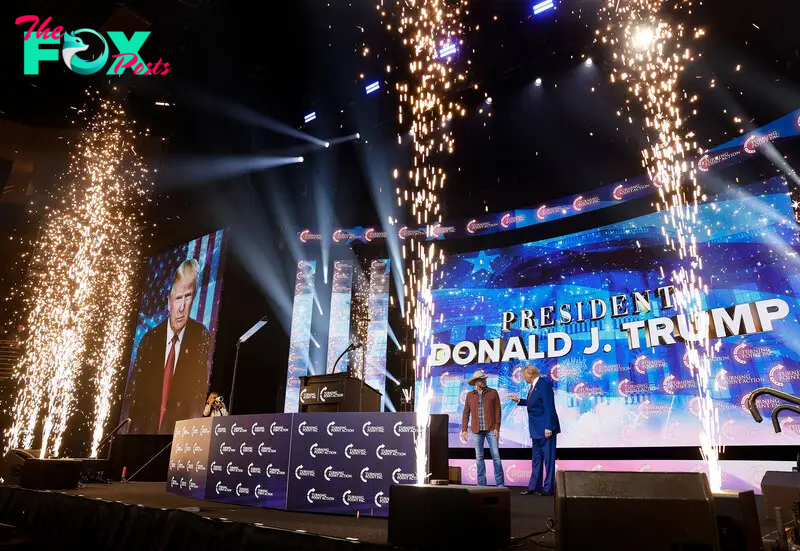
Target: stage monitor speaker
[(11, 465), (653, 511), (737, 520), (51, 474), (780, 489), (449, 517)]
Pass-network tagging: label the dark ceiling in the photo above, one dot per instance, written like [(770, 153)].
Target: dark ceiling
[(284, 59)]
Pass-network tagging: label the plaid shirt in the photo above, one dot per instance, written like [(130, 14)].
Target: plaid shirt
[(481, 421), (484, 409)]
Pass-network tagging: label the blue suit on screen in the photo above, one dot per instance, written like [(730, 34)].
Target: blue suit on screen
[(542, 415)]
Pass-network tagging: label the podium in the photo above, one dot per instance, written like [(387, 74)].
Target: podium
[(337, 392)]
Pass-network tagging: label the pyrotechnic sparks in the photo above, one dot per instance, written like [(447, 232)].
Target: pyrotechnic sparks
[(79, 287), (426, 107), (361, 319), (649, 56)]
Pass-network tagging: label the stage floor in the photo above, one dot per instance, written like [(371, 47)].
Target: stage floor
[(528, 515), (111, 508)]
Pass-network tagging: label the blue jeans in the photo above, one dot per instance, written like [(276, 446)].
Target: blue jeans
[(478, 438)]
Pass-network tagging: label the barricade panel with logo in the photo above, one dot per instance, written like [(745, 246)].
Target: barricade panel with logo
[(345, 463), (340, 463), (188, 460), (249, 460)]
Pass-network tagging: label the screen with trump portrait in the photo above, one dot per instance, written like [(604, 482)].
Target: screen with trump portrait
[(598, 313), (176, 327)]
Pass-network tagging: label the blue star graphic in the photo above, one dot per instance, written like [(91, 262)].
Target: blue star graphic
[(482, 262), (357, 231)]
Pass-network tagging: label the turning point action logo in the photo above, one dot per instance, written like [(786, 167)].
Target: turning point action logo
[(128, 48), (619, 192), (580, 202)]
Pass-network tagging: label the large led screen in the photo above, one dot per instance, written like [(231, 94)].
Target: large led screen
[(595, 312), (176, 328)]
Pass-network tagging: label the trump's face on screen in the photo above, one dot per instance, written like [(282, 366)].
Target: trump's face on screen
[(182, 295)]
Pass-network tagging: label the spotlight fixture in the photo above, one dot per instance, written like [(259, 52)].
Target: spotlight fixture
[(310, 117), (447, 50), (489, 100), (588, 62), (327, 144), (537, 82), (543, 6), (374, 87), (300, 160), (358, 136)]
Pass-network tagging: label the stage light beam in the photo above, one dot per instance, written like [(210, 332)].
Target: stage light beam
[(192, 169)]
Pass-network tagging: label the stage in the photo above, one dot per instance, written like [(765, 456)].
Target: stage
[(142, 515)]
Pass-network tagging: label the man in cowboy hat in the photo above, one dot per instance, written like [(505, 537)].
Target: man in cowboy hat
[(483, 405)]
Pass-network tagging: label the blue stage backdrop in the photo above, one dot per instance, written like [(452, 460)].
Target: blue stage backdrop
[(635, 388)]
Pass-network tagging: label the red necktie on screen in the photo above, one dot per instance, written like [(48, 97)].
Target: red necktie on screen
[(168, 369)]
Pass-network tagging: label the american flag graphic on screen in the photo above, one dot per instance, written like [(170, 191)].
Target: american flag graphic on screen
[(209, 251)]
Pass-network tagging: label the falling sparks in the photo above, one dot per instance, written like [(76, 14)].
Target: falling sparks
[(649, 57), (79, 289), (360, 316), (425, 108)]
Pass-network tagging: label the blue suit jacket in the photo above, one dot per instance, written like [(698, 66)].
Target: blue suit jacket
[(541, 406)]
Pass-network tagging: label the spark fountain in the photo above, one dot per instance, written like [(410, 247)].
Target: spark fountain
[(426, 108), (79, 289), (649, 56)]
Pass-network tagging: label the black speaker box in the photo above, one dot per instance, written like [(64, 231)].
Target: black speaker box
[(653, 511), (51, 474), (780, 489), (737, 520), (449, 517), (11, 465)]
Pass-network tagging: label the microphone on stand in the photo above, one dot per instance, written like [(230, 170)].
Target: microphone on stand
[(250, 332), (354, 344), (110, 436)]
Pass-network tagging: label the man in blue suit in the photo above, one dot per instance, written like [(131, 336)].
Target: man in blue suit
[(543, 427)]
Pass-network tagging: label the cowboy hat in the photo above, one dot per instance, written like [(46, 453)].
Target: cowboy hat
[(475, 376)]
